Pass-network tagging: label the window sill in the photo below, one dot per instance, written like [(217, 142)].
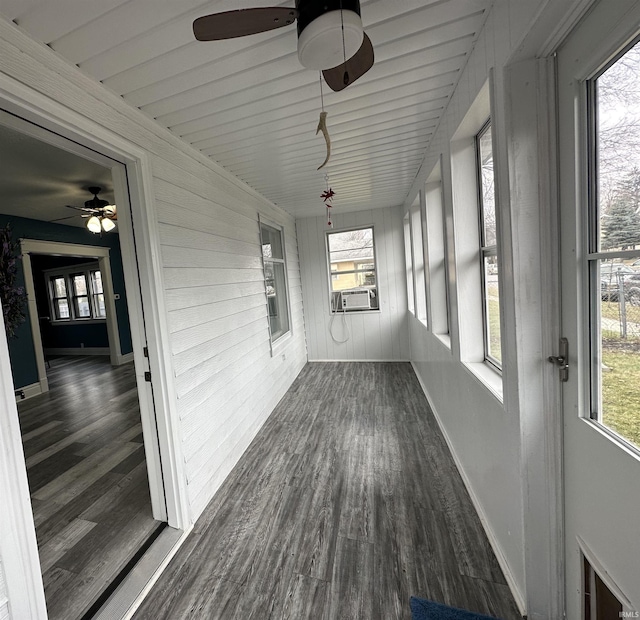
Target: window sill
[(488, 376), (356, 312), (445, 339), (277, 346), (77, 322)]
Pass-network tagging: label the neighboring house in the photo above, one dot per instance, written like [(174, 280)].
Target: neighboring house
[(553, 487)]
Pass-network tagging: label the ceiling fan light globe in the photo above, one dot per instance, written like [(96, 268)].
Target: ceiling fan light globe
[(320, 43), (107, 224), (93, 224)]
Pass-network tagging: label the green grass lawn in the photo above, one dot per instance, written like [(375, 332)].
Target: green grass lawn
[(621, 391)]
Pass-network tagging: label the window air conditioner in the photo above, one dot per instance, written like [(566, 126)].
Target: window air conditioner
[(356, 299)]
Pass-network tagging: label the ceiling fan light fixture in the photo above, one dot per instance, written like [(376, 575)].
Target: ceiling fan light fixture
[(320, 43), (107, 224), (93, 224)]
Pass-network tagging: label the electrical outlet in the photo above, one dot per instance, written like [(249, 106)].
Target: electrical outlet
[(284, 357)]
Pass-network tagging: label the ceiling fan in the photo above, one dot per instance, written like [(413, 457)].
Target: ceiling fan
[(99, 213), (329, 31)]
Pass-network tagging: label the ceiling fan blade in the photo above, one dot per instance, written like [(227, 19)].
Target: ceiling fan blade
[(348, 72), (242, 22), (79, 208), (61, 219)]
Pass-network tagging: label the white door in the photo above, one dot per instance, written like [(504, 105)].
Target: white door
[(599, 150)]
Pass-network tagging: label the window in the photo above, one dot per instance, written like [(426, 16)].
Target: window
[(59, 299), (352, 264), (76, 293), (420, 284), (612, 262), (437, 253), (275, 280), (408, 264), (80, 296), (98, 294), (488, 246)]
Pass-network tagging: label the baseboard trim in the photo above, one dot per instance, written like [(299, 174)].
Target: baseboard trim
[(77, 351), (493, 541), (124, 359), (363, 360), (30, 391)]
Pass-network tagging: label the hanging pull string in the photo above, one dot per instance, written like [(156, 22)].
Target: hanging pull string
[(345, 77), (321, 92)]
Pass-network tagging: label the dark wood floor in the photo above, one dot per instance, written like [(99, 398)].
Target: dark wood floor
[(346, 504), (87, 477)]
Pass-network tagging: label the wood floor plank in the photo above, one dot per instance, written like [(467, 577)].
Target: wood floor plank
[(345, 504), (85, 459), (305, 596), (76, 479), (58, 546), (351, 594)]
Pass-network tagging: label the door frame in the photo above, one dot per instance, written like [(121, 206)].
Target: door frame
[(34, 246), (588, 448), (132, 178)]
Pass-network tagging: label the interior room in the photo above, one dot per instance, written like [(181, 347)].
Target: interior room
[(76, 390), (368, 273)]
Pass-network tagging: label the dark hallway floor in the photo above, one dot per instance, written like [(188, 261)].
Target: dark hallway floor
[(346, 504), (87, 478)]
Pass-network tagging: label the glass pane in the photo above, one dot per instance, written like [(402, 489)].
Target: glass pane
[(488, 195), (59, 287), (271, 242), (618, 145), (79, 284), (277, 299), (82, 306), (62, 308), (96, 276), (100, 307), (618, 355), (350, 245), (492, 291)]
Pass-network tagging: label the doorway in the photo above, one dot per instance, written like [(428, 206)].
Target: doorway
[(599, 136), (94, 473)]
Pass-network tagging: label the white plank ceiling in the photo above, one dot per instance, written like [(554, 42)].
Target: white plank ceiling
[(249, 105)]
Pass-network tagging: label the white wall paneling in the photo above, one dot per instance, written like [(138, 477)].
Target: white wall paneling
[(374, 335), (514, 479), (198, 229)]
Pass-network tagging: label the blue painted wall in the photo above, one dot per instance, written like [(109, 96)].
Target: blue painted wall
[(21, 348)]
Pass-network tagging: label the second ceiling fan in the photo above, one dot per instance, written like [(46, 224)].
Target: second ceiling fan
[(330, 35)]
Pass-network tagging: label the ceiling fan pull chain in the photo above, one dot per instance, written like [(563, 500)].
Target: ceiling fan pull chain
[(345, 77), (321, 93)]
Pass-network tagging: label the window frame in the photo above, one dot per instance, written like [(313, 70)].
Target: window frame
[(486, 251), (68, 274), (595, 255), (265, 223), (437, 250), (331, 273), (409, 263), (420, 283)]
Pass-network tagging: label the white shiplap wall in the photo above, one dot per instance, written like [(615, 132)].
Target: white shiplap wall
[(484, 431), (374, 335), (4, 602), (226, 380)]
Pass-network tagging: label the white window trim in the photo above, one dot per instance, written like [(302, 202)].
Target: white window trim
[(330, 273), (436, 249), (486, 250), (66, 273), (468, 298), (276, 343)]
